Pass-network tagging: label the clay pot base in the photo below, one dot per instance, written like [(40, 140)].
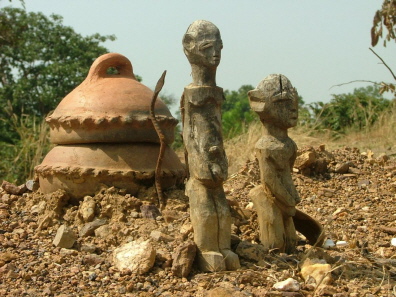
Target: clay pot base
[(82, 169)]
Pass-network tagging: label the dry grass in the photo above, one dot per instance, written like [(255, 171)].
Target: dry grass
[(19, 159), (381, 138)]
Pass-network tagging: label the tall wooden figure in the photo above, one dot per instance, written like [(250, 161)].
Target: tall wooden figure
[(205, 155), (276, 103)]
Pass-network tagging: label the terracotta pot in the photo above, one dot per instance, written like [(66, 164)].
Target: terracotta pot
[(109, 108), (83, 169)]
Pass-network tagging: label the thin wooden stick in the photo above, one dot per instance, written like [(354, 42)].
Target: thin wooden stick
[(158, 168)]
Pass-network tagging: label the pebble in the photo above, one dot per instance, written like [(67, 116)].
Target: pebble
[(341, 243), (328, 244), (288, 285)]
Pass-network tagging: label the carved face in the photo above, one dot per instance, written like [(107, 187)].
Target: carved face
[(275, 101), (202, 44)]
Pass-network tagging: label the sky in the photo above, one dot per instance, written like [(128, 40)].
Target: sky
[(316, 44)]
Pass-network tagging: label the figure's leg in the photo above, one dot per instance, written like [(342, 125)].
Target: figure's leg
[(205, 221), (224, 217), (270, 220)]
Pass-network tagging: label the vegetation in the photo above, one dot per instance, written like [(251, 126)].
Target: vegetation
[(346, 112), (41, 60), (385, 18), (236, 113)]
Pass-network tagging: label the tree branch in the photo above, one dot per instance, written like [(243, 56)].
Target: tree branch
[(394, 76), (354, 81)]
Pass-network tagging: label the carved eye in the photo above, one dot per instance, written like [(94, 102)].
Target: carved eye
[(205, 45)]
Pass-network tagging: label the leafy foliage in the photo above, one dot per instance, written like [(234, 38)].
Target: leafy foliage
[(356, 111), (236, 113), (41, 62)]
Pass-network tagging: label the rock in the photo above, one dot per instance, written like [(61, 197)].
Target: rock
[(68, 253), (393, 242), (183, 259), (354, 170), (159, 236), (103, 231), (250, 251), (341, 168), (87, 209), (92, 260), (7, 257), (89, 228), (164, 258), (341, 243), (65, 237), (186, 229), (38, 208), (170, 215), (5, 269), (318, 270), (328, 244), (320, 253), (250, 206), (363, 183), (32, 185), (224, 292), (88, 248), (288, 285), (339, 212), (382, 159), (4, 214), (211, 261), (305, 160), (327, 290), (13, 189), (137, 256), (149, 211)]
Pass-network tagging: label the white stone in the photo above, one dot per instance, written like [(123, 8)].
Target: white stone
[(250, 206), (328, 244), (393, 242), (289, 285), (137, 256), (341, 243)]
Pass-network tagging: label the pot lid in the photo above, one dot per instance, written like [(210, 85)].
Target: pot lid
[(109, 108)]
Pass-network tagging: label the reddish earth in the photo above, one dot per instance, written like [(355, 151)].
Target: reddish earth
[(356, 206)]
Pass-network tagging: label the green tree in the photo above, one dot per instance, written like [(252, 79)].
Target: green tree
[(358, 111), (41, 61), (236, 113)]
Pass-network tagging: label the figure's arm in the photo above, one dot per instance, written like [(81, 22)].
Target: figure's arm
[(271, 174), (292, 160)]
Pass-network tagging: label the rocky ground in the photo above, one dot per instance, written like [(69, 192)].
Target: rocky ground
[(51, 245)]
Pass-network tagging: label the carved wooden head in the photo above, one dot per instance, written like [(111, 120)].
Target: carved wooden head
[(275, 100), (202, 44)]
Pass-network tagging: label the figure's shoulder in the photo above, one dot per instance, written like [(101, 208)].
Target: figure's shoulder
[(269, 143), (199, 95)]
